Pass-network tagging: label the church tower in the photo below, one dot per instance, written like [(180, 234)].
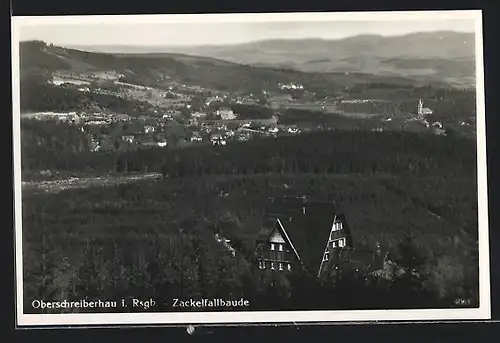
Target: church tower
[(420, 107)]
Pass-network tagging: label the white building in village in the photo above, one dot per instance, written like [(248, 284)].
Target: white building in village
[(226, 113)]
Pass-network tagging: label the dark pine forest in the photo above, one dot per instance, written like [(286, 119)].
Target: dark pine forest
[(416, 194)]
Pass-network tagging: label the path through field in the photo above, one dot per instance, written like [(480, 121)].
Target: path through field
[(55, 186)]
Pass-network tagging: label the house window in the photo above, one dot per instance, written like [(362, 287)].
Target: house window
[(325, 257), (272, 265), (262, 265), (334, 244), (342, 242), (272, 246), (280, 255), (281, 266), (339, 226), (289, 267)]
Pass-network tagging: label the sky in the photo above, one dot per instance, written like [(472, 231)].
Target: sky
[(219, 33)]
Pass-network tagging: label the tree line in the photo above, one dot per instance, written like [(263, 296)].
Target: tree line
[(330, 152)]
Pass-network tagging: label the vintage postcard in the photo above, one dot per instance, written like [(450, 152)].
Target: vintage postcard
[(250, 168)]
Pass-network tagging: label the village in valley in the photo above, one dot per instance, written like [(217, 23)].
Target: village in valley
[(181, 115)]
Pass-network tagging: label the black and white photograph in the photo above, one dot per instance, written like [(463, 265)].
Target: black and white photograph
[(250, 168)]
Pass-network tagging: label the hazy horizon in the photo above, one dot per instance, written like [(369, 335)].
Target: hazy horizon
[(231, 33)]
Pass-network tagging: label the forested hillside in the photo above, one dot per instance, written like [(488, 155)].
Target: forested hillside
[(156, 238)]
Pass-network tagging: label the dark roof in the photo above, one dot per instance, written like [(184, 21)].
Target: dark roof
[(267, 228), (366, 261), (307, 223)]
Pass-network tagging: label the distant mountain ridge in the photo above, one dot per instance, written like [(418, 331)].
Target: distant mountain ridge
[(39, 59), (441, 56)]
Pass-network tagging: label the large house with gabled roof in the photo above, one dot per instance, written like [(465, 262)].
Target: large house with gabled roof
[(313, 236)]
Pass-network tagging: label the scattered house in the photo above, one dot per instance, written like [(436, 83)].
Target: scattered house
[(291, 86), (172, 114), (247, 101), (244, 136), (96, 122), (217, 139), (293, 130), (312, 236), (162, 143), (213, 99), (94, 146), (226, 113), (149, 128), (226, 243), (437, 124), (128, 138), (199, 115), (196, 137)]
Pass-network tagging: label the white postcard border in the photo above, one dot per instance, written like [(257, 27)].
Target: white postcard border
[(231, 317)]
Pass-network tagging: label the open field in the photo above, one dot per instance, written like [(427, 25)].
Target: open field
[(55, 186)]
